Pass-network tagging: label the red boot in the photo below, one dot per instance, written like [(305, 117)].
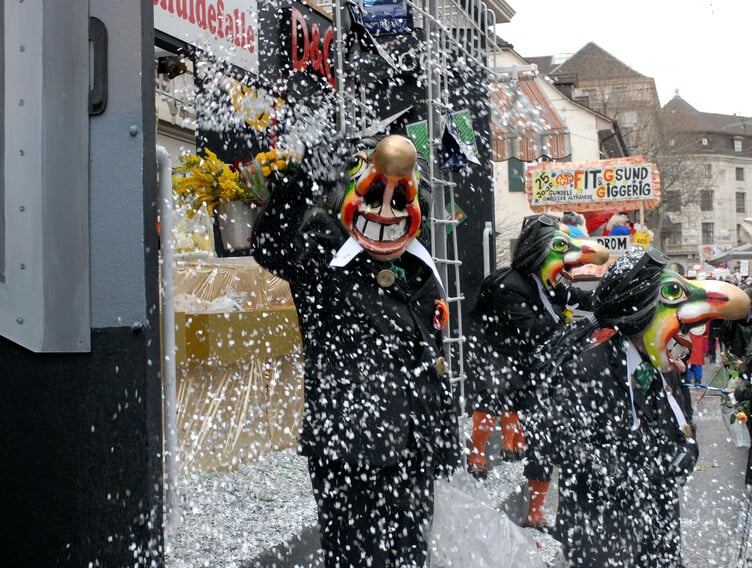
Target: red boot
[(514, 440), (538, 490), (483, 424)]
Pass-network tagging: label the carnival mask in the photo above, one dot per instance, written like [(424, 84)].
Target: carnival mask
[(566, 252), (682, 306), (380, 209)]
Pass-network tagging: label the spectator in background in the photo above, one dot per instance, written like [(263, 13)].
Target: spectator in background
[(696, 354), (736, 339), (714, 335), (741, 394)]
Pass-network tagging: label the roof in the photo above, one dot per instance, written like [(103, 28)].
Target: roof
[(590, 63), (692, 120), (522, 110), (593, 63), (743, 252)]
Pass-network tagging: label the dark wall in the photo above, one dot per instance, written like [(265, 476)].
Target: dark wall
[(80, 469)]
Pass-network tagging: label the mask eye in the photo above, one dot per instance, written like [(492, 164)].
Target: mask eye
[(560, 245), (374, 193), (399, 197), (356, 164), (672, 293)]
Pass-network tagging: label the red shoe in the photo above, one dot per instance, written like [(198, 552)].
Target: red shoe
[(535, 518), (539, 523), (477, 470)]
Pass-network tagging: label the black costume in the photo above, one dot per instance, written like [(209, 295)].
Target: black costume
[(619, 428), (617, 460), (380, 422), (517, 309), (511, 320)]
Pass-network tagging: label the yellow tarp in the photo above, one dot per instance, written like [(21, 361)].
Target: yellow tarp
[(239, 364)]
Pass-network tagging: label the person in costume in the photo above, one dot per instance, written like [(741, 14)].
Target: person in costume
[(380, 422), (613, 416), (517, 308)]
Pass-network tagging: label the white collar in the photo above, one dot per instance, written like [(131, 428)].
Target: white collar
[(351, 248), (544, 298), (633, 361)]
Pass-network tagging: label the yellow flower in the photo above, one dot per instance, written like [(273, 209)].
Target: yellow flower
[(207, 180)]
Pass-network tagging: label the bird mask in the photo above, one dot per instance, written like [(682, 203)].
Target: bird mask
[(640, 297)]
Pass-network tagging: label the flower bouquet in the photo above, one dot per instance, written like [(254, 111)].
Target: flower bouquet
[(206, 180)]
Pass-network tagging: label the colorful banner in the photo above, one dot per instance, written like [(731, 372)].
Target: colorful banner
[(619, 183)]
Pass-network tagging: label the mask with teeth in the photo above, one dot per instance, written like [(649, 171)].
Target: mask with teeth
[(381, 209)]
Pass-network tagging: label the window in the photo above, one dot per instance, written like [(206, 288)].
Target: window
[(737, 144), (739, 234), (707, 171), (629, 119), (619, 94), (739, 174), (672, 199), (708, 233), (516, 175), (704, 141), (706, 200), (671, 234), (740, 202)]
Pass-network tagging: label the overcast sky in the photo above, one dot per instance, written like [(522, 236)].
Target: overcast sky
[(700, 47)]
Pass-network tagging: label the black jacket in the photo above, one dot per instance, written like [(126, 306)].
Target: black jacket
[(586, 414), (508, 323), (618, 485), (736, 336), (373, 387)]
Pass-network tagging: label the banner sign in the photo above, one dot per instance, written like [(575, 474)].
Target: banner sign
[(616, 246), (619, 183), (308, 42), (708, 253), (227, 28)]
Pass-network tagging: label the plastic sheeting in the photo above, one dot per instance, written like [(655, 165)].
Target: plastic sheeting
[(738, 431), (468, 531), (240, 368), (220, 285)]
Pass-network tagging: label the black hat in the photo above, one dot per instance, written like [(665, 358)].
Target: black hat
[(627, 296), (533, 244)]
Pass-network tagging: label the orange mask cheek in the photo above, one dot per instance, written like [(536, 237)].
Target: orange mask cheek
[(349, 207)]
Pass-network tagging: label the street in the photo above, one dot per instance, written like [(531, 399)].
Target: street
[(713, 499)]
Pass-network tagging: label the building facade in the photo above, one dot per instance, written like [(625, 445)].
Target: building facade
[(707, 207), (533, 122)]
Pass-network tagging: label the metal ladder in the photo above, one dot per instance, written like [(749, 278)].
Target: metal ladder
[(453, 29)]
